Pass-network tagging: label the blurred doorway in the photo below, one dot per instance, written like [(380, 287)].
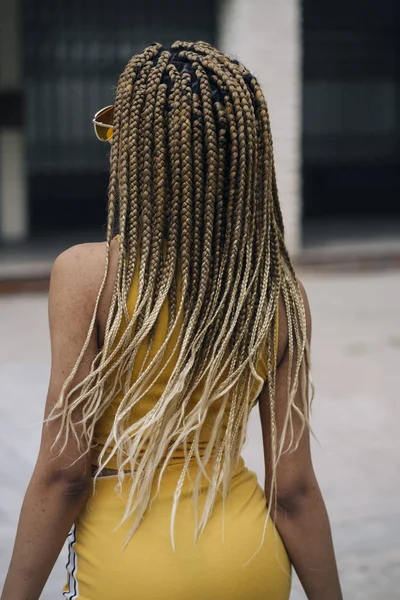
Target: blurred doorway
[(351, 118), (72, 56)]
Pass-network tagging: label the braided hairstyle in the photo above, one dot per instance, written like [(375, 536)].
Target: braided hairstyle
[(193, 193)]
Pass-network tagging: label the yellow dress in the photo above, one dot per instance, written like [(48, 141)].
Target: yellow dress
[(99, 568)]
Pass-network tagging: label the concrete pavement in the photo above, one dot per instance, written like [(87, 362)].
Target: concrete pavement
[(356, 359)]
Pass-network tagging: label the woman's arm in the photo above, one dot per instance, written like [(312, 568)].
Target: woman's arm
[(300, 514), (57, 492)]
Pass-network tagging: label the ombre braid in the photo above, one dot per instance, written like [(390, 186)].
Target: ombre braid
[(192, 175)]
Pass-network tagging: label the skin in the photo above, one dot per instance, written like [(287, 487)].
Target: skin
[(299, 514), (57, 491)]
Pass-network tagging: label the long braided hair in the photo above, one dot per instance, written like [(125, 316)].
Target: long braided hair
[(193, 190)]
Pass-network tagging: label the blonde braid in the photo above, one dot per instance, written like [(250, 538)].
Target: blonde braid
[(192, 172), (198, 182)]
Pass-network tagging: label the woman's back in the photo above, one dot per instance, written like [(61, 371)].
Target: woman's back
[(145, 354), (187, 317), (162, 341), (98, 565)]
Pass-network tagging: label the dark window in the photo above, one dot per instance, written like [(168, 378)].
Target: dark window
[(351, 118), (73, 54)]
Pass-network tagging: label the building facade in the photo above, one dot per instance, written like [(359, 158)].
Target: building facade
[(330, 75)]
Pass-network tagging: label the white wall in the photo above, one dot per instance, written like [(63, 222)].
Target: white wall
[(265, 35)]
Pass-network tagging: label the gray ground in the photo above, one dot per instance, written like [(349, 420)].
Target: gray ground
[(356, 356)]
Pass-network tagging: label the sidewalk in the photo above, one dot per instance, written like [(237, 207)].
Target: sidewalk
[(356, 415)]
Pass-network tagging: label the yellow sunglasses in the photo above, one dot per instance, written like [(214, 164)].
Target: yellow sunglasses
[(103, 123)]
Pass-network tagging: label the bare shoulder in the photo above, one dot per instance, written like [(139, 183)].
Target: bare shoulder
[(81, 254), (307, 308), (283, 326), (79, 268), (303, 293), (75, 283)]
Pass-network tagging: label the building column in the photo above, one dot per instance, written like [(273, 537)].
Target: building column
[(13, 184), (265, 35)]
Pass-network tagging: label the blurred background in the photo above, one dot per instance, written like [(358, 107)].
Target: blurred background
[(331, 76), (330, 72)]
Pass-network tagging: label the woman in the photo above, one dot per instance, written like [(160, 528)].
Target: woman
[(163, 339)]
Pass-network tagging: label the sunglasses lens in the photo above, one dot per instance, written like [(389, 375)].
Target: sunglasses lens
[(103, 127)]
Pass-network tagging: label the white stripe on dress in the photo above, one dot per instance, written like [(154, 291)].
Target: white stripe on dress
[(72, 566)]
